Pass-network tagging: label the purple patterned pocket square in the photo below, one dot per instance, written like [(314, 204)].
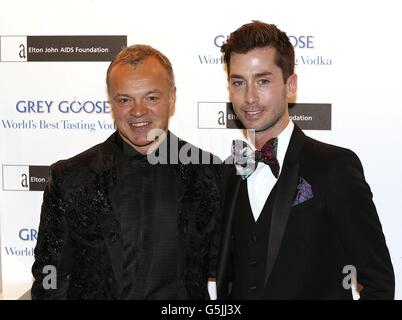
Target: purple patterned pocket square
[(304, 192)]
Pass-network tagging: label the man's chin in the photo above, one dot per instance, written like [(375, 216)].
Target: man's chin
[(251, 125), (138, 143), (142, 144), (146, 146)]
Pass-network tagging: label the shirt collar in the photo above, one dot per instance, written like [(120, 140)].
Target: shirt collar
[(283, 143)]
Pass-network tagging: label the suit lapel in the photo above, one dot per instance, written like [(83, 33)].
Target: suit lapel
[(231, 190), (113, 243), (286, 191), (108, 220), (180, 192)]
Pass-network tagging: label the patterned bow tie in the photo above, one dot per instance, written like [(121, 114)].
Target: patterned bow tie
[(246, 160)]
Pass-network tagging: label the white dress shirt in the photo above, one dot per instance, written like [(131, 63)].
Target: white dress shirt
[(262, 181)]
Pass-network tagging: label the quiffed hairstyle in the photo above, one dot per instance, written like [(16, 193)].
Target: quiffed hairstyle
[(258, 35), (135, 55)]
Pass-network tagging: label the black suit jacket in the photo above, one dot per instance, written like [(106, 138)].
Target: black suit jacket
[(79, 227), (311, 243)]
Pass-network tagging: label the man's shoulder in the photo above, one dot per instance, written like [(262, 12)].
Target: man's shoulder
[(326, 153), (82, 160)]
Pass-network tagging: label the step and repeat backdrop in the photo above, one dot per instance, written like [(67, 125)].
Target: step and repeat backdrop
[(53, 102)]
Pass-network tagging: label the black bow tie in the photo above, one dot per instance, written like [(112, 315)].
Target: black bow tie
[(246, 160)]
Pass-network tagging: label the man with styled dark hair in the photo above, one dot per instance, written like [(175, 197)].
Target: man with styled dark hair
[(298, 216), (260, 35), (116, 226)]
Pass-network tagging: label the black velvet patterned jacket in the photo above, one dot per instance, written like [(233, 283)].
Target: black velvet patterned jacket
[(79, 230)]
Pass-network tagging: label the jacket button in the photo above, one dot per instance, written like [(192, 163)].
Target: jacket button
[(253, 263), (254, 238), (253, 288)]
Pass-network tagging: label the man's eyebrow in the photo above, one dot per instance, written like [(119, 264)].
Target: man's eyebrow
[(120, 94), (237, 76), (257, 75), (153, 91), (263, 74)]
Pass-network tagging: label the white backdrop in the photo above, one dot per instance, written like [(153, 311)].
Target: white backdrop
[(352, 63)]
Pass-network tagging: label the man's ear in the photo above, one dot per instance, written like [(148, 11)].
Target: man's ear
[(291, 86), (172, 101)]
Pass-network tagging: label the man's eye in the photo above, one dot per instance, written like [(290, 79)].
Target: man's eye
[(152, 98), (237, 83), (264, 81), (122, 100)]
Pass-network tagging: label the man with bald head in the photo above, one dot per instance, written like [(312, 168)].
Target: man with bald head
[(133, 217)]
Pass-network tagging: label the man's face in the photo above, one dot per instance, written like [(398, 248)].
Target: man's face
[(257, 90), (141, 100)]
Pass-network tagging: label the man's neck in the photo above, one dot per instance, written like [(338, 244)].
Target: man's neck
[(263, 136)]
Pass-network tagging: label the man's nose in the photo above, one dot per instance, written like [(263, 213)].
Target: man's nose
[(138, 109), (251, 94)]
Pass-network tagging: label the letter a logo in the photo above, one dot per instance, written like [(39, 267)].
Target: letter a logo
[(50, 280), (350, 277), (22, 53), (24, 181), (221, 119)]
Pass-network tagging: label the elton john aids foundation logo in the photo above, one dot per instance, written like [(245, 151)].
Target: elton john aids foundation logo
[(220, 115), (60, 48), (24, 178)]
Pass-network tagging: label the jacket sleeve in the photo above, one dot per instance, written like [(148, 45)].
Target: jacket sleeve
[(355, 217), (52, 252)]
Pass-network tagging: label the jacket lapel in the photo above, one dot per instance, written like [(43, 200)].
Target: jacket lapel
[(231, 189), (198, 200), (180, 192), (108, 220), (286, 191)]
